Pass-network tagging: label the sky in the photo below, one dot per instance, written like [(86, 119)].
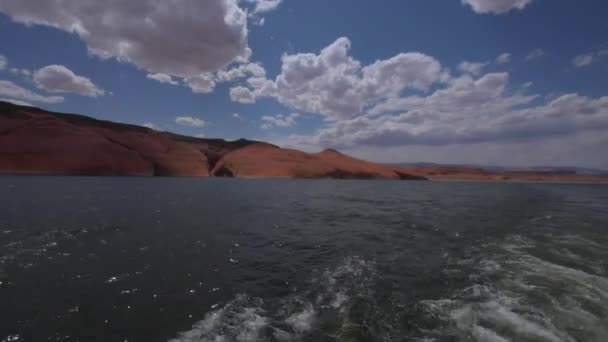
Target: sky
[(492, 82)]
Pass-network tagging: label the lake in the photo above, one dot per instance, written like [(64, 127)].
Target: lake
[(194, 259)]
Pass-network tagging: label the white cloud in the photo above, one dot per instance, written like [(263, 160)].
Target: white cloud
[(21, 72), (589, 58), (205, 83), (187, 42), (11, 90), (190, 121), (503, 58), (241, 71), (236, 116), (265, 5), (535, 54), (201, 84), (241, 94), (466, 111), (59, 79), (582, 60), (180, 38), (18, 102), (472, 68), (336, 85), (151, 125), (162, 78), (279, 120), (259, 21), (496, 6), (3, 62)]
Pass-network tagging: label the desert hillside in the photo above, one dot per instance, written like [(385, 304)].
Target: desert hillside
[(445, 172), (34, 141)]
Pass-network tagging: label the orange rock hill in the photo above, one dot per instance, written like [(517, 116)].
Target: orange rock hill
[(34, 141)]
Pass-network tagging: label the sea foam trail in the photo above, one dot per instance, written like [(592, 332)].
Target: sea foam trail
[(323, 308), (522, 297)]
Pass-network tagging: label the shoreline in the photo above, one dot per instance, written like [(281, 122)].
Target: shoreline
[(430, 179)]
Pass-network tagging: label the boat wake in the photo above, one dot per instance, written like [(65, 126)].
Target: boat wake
[(335, 304), (517, 290), (518, 296)]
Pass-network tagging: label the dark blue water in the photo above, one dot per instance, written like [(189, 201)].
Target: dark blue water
[(158, 259)]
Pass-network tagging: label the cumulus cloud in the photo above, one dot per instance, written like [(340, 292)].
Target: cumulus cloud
[(162, 78), (241, 94), (236, 116), (201, 84), (187, 42), (3, 62), (189, 121), (59, 79), (535, 54), (279, 120), (503, 58), (241, 71), (410, 100), (11, 90), (472, 67), (496, 6), (205, 82), (336, 85), (466, 111), (180, 38), (265, 5)]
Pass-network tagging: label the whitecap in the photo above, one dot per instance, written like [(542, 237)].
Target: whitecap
[(302, 321), (526, 298), (329, 295)]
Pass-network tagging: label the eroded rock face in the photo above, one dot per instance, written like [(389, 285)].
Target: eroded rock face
[(265, 160), (42, 144), (34, 141)]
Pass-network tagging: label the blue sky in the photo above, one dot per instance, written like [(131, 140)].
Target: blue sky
[(397, 81)]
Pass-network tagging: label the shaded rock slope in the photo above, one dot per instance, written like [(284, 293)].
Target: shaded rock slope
[(34, 141)]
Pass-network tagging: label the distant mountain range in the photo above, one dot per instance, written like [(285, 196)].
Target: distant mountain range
[(493, 168)]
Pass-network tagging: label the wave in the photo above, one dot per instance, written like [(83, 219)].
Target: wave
[(517, 290), (518, 296), (325, 308)]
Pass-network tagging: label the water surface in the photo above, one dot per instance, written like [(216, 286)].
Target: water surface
[(158, 259)]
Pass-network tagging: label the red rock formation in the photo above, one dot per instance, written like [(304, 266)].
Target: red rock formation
[(265, 160), (440, 172), (34, 141)]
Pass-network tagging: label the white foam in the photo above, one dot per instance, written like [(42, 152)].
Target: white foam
[(302, 322), (340, 298), (527, 298), (482, 334), (247, 319), (231, 323), (251, 324)]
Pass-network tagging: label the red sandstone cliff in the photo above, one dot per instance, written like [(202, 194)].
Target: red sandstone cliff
[(34, 141)]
